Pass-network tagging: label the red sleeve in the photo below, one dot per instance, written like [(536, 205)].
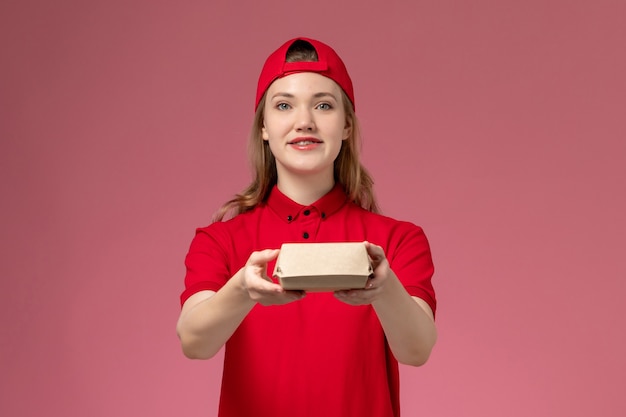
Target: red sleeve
[(207, 262), (411, 261)]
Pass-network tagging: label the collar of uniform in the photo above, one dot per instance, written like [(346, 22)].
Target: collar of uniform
[(288, 210)]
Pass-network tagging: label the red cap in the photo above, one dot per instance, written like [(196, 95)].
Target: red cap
[(329, 65)]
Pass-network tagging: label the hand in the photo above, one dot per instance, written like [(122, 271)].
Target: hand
[(375, 286), (259, 286)]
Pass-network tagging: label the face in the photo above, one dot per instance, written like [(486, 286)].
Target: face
[(305, 124)]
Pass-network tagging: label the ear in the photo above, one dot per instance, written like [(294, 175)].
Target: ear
[(264, 133), (347, 130)]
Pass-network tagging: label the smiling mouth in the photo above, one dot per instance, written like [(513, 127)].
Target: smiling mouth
[(305, 141)]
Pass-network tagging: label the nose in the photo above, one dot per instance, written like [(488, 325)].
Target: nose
[(305, 121)]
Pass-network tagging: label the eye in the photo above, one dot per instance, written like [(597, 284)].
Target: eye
[(324, 106), (283, 106)]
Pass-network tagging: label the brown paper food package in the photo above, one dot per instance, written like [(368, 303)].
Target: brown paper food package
[(318, 267)]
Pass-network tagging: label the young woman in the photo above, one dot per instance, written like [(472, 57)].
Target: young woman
[(291, 353)]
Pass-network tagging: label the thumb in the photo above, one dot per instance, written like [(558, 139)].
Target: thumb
[(374, 251), (263, 257)]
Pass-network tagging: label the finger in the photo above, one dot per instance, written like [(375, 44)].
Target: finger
[(282, 297), (294, 295), (355, 297), (262, 257), (266, 286), (374, 251)]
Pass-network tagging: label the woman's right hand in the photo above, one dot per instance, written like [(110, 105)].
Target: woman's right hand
[(259, 286)]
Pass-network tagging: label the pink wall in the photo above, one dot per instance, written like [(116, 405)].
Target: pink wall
[(499, 126)]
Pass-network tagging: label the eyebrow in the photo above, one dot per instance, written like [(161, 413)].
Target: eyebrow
[(316, 95)]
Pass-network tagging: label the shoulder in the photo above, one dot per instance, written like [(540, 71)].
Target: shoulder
[(394, 235), (235, 222), (385, 222), (225, 231)]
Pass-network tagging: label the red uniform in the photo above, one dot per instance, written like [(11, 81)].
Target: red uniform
[(317, 356)]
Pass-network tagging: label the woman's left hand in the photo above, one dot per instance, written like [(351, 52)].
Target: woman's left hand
[(376, 285), (407, 321)]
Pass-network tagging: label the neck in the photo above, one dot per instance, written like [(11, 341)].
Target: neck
[(305, 190)]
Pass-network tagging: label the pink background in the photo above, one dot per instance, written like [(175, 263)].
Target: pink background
[(499, 126)]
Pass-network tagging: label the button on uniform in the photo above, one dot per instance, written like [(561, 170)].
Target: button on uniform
[(305, 223)]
